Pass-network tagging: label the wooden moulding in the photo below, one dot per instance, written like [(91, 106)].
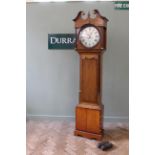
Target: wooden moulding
[(90, 106), (88, 135)]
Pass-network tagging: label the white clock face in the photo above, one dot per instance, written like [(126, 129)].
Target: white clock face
[(89, 36)]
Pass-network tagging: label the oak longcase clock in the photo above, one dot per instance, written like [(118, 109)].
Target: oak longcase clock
[(90, 44)]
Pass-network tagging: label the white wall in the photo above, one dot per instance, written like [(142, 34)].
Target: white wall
[(53, 75)]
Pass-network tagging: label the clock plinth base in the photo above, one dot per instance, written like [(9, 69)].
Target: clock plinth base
[(89, 121), (88, 135)]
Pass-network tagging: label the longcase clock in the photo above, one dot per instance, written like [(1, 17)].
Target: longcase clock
[(90, 44)]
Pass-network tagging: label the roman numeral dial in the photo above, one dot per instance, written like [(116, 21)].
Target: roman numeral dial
[(89, 36)]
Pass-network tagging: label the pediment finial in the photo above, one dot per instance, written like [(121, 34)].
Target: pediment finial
[(79, 15), (97, 13)]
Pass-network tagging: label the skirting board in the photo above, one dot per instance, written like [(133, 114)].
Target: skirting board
[(72, 118)]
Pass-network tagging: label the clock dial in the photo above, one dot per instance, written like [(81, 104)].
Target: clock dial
[(89, 36)]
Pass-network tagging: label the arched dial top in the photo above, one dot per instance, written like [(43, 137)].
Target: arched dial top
[(89, 36)]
